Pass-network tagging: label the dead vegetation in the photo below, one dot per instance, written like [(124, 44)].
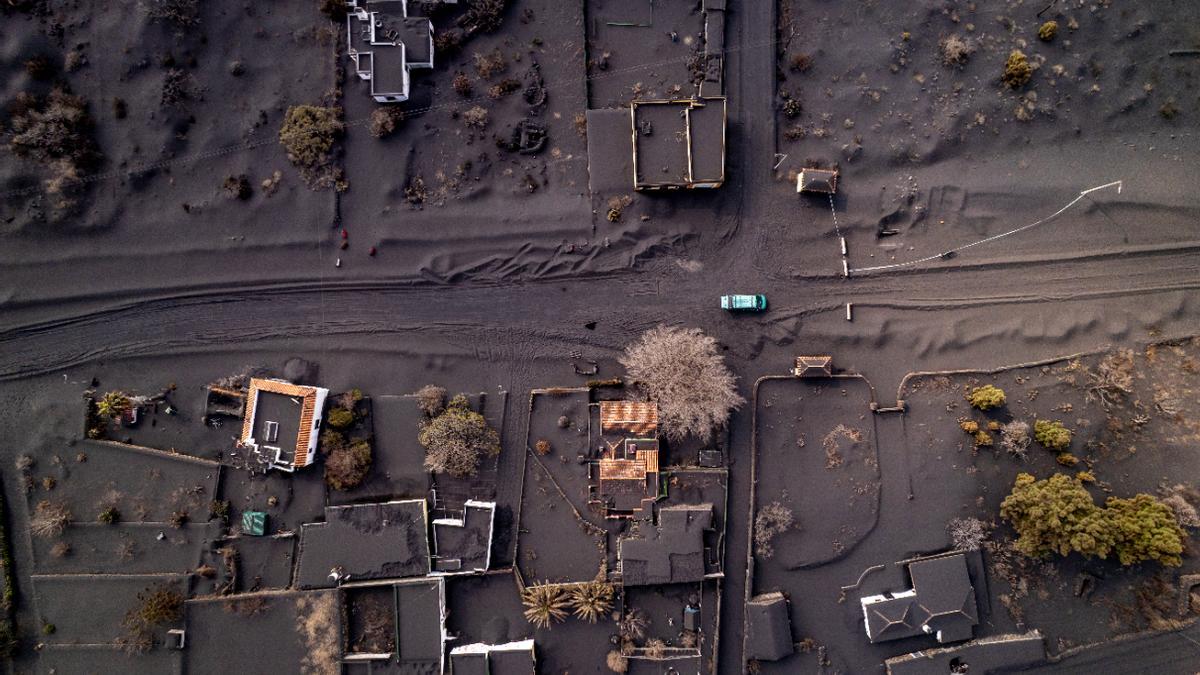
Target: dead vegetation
[(316, 613), (682, 371), (55, 133), (545, 604), (49, 519), (771, 521), (967, 533), (384, 121), (156, 606), (309, 134), (955, 50)]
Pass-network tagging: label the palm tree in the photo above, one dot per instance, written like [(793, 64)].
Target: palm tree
[(113, 404), (544, 604), (632, 625), (591, 599)]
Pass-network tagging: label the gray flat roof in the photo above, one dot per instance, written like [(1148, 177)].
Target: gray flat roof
[(670, 553), (610, 151), (419, 613), (662, 143), (367, 541)]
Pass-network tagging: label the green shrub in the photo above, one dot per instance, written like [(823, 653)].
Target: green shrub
[(983, 439), (1017, 71), (308, 133), (1047, 31), (1145, 529), (1052, 435), (340, 418), (1055, 515), (1067, 459), (1058, 515), (969, 426), (109, 516), (986, 397)]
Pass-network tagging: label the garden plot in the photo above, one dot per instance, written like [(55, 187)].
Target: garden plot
[(124, 548), (500, 624), (142, 486), (818, 471), (106, 659), (397, 470), (91, 609), (303, 630), (263, 562), (561, 539), (289, 500), (1141, 440)]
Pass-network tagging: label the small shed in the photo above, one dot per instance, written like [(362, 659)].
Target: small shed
[(768, 628), (813, 366), (254, 523), (817, 181)]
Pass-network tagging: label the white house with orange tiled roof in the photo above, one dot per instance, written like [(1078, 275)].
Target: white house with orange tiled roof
[(282, 422)]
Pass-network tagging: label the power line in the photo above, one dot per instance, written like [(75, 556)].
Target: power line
[(947, 254)]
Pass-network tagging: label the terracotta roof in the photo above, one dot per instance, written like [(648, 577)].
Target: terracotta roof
[(814, 365), (634, 417), (308, 405), (623, 469)]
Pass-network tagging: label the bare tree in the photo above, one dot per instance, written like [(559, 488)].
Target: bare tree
[(681, 370), (1015, 439)]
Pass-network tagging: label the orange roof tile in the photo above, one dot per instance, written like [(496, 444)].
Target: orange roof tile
[(635, 417), (308, 399)]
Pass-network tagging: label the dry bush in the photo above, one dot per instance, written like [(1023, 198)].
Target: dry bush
[(955, 50), (384, 121), (1015, 439), (157, 606), (483, 16), (1112, 380), (681, 370), (347, 465), (617, 662), (656, 649), (180, 13), (772, 520), (1182, 500), (308, 134), (505, 87), (580, 122), (632, 625), (545, 605), (60, 549), (178, 88), (431, 399), (39, 67), (475, 117), (967, 533), (49, 519), (800, 63), (492, 63), (542, 447), (52, 129), (461, 84), (455, 440)]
